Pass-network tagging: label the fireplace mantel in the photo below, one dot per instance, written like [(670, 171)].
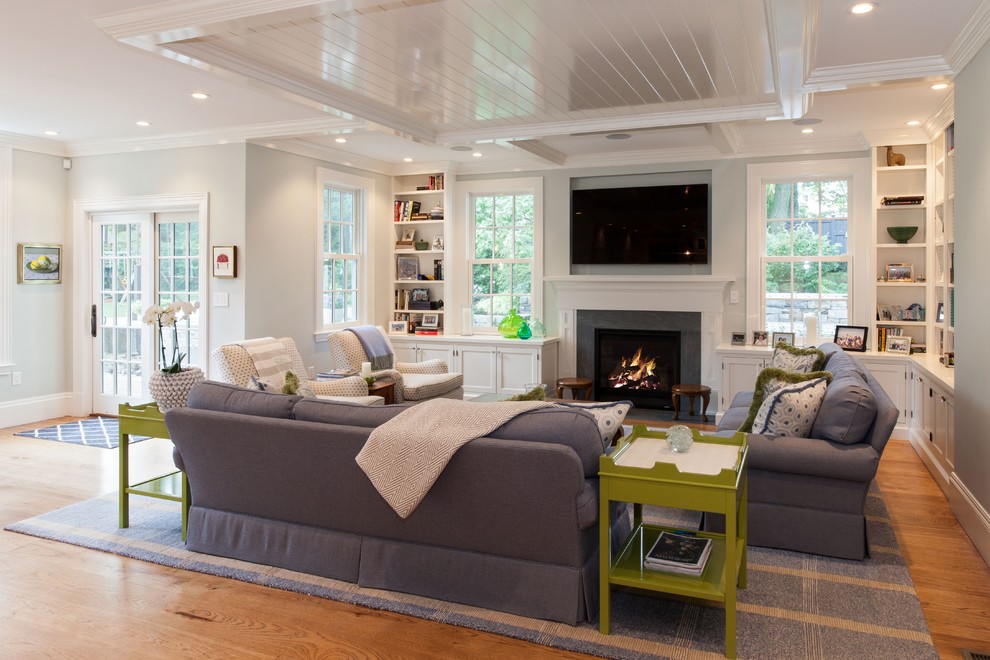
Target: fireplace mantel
[(659, 293)]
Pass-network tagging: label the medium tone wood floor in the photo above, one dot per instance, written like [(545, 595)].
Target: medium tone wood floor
[(59, 600)]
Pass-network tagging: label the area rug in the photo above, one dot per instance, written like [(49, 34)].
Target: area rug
[(92, 431), (795, 606)]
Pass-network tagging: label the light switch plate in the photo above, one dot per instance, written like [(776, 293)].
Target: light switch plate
[(734, 297), (221, 299)]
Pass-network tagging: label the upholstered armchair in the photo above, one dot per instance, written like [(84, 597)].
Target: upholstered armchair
[(414, 381), (233, 364)]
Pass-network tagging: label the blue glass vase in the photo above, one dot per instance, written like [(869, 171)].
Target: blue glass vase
[(524, 331)]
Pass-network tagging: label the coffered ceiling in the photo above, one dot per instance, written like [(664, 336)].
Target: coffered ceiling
[(524, 83)]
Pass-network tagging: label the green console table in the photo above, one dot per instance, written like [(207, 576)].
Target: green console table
[(643, 470), (146, 419)]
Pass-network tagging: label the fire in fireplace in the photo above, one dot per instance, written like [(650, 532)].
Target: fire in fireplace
[(639, 365)]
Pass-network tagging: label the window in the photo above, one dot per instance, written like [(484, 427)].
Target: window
[(804, 218), (179, 277), (343, 219), (506, 225)]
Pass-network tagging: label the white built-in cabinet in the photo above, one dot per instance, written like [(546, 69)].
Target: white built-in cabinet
[(932, 426), (489, 364), (891, 372)]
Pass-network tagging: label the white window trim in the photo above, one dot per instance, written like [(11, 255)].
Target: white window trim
[(6, 258), (365, 229), (857, 170), (521, 186)]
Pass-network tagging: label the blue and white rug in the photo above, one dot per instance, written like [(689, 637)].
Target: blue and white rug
[(92, 431)]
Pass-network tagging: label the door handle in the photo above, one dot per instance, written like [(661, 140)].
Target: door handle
[(92, 322)]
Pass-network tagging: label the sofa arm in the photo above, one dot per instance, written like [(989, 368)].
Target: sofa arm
[(812, 457), (426, 367), (350, 386)]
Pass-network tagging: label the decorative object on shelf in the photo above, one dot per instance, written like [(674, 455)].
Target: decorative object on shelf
[(421, 245), (438, 242), (539, 330), (409, 235), (398, 327), (914, 312), (851, 337), (810, 329), (738, 338), (170, 386), (524, 331), (760, 338), (940, 313), (225, 261), (900, 273), (786, 337), (680, 438), (509, 326), (902, 234), (900, 345), (430, 321), (467, 322), (407, 268), (902, 200), (436, 213), (894, 158), (39, 263)]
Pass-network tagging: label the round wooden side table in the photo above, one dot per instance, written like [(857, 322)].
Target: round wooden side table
[(691, 392), (574, 385)]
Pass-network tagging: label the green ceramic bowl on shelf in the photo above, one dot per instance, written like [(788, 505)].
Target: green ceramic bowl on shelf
[(902, 234)]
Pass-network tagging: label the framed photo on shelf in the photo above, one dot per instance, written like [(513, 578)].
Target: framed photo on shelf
[(851, 337), (900, 344), (408, 235), (407, 268), (438, 242), (759, 338), (940, 313), (883, 313), (398, 327), (420, 295), (786, 337), (39, 263), (738, 338), (430, 321), (900, 273), (224, 261)]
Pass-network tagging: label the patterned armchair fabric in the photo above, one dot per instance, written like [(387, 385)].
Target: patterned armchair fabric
[(232, 364), (414, 381)]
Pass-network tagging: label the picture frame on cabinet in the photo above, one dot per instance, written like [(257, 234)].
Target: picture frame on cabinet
[(901, 344), (900, 273), (407, 268), (851, 337), (759, 338), (786, 337), (430, 321), (738, 338), (398, 327)]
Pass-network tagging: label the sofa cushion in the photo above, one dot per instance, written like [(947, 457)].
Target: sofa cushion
[(791, 409), (347, 413), (791, 358), (223, 397), (419, 387), (609, 416), (840, 364), (573, 426), (769, 380), (847, 411)]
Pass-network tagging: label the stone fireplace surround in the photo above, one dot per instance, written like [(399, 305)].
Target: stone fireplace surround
[(602, 294)]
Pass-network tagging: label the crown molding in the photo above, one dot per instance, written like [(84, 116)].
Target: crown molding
[(842, 77), (939, 120), (30, 143), (541, 150), (896, 136), (971, 38)]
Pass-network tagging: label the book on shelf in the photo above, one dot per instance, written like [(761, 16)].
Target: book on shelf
[(404, 209), (427, 331), (902, 200), (679, 553)]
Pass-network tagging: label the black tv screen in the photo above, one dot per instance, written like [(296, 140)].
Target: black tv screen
[(643, 225)]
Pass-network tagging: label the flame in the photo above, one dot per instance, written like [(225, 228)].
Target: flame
[(636, 372)]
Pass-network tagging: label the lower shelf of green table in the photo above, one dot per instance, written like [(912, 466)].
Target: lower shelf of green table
[(166, 487), (627, 568)]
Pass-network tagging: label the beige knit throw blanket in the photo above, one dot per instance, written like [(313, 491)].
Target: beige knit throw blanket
[(404, 456), (268, 354)]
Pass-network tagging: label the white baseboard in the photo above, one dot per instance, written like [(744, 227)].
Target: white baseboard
[(971, 515), (36, 409)]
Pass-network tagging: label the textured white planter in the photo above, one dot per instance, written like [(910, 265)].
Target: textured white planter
[(172, 390)]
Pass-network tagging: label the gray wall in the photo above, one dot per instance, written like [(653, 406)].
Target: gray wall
[(972, 98)]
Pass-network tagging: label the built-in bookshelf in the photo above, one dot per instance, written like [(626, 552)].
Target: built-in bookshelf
[(943, 290), (419, 219)]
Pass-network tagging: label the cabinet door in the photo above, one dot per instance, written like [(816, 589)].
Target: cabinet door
[(436, 352), (921, 414), (404, 351), (738, 375), (517, 367), (943, 427), (477, 364), (893, 380)]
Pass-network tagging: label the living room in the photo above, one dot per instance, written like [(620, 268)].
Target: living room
[(260, 194)]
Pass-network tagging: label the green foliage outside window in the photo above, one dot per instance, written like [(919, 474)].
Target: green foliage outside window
[(502, 267)]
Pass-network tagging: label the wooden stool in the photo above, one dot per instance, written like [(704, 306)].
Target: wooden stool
[(691, 392), (574, 384)]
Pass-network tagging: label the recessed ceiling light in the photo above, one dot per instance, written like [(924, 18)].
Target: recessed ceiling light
[(618, 136), (52, 133), (807, 130), (340, 140), (143, 124), (862, 8), (938, 86), (460, 147), (407, 159), (806, 121), (200, 96), (913, 122), (477, 154)]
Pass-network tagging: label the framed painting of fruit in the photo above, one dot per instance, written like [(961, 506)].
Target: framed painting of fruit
[(39, 263)]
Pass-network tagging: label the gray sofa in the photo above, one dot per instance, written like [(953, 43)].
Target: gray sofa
[(511, 524), (808, 494)]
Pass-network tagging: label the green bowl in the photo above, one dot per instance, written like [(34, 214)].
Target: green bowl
[(902, 234)]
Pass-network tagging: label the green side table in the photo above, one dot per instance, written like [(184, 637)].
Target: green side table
[(146, 419), (646, 473)]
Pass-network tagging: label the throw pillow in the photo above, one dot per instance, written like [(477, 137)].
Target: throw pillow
[(771, 379), (791, 358), (283, 383), (535, 394), (609, 416), (791, 409)]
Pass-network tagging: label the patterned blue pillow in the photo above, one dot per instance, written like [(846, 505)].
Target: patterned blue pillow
[(609, 416), (791, 410)]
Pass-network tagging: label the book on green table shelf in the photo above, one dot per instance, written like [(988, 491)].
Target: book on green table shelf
[(679, 553)]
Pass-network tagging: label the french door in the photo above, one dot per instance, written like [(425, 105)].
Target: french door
[(140, 259)]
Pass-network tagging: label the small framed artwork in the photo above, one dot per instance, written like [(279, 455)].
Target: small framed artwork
[(407, 268), (430, 321), (883, 312), (420, 295), (851, 337), (940, 313), (738, 338), (438, 242), (900, 344), (760, 338), (409, 235), (786, 337), (398, 327), (224, 261), (900, 273), (39, 263)]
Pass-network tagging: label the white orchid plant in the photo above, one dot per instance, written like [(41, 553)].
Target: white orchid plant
[(168, 317)]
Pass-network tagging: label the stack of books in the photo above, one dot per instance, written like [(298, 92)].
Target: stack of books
[(336, 373), (679, 553)]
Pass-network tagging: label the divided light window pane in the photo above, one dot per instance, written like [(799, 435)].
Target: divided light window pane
[(502, 263)]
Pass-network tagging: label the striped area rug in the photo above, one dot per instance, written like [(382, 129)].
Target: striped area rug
[(795, 606), (92, 431)]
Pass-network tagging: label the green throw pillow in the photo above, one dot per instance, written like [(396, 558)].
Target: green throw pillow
[(769, 380), (791, 358), (535, 394), (291, 385)]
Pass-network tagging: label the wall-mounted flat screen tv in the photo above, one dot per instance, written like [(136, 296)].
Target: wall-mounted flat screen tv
[(668, 224)]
